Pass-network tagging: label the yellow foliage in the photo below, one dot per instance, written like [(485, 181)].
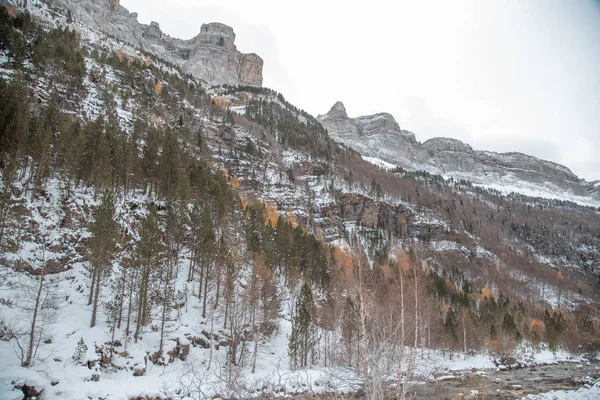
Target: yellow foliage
[(559, 276), (235, 183), (128, 64), (222, 102), (121, 55), (403, 260), (292, 220), (386, 270), (444, 307), (345, 263), (158, 87), (244, 200), (486, 293), (426, 268), (271, 214), (147, 63), (538, 326), (225, 170)]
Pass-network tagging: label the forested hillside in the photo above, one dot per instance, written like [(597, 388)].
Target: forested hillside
[(167, 239)]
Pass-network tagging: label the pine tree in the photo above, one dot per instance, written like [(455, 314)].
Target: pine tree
[(555, 325), (451, 323), (102, 247), (304, 330), (206, 253), (509, 327), (150, 256), (80, 351)]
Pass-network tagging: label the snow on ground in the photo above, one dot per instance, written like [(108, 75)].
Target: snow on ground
[(240, 110), (547, 191), (588, 392), (380, 163)]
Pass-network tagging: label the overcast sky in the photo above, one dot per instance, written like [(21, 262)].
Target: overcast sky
[(499, 75)]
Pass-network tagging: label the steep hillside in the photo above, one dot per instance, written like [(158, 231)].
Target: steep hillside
[(163, 238)]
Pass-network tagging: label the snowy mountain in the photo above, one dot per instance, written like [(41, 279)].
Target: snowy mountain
[(379, 136), (163, 238)]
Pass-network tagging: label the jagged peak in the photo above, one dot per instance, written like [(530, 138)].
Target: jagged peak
[(337, 111)]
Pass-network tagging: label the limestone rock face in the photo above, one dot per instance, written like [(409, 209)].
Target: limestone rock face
[(211, 56), (251, 69), (367, 134), (152, 32), (380, 136), (217, 34), (373, 124)]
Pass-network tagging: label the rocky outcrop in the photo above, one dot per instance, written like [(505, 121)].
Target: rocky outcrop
[(380, 136), (211, 55), (368, 134)]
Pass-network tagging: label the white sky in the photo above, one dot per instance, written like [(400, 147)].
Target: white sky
[(500, 75)]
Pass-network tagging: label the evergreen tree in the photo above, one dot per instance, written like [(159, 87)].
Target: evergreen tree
[(150, 255), (509, 327), (80, 351), (555, 325), (451, 323), (304, 330), (102, 247)]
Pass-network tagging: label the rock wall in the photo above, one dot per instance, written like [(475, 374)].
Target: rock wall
[(211, 55)]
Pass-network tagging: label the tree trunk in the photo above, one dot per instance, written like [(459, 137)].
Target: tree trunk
[(27, 361), (91, 296), (205, 290), (218, 277), (96, 296), (255, 352), (122, 301), (212, 326), (402, 332), (162, 326), (141, 318), (192, 264), (464, 336), (226, 312), (201, 281)]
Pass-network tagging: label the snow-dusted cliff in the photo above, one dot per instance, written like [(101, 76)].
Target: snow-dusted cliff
[(211, 55), (379, 136)]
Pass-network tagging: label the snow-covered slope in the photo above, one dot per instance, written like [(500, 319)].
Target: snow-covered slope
[(269, 157)]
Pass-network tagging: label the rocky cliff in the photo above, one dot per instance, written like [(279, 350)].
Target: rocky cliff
[(211, 55), (380, 136)]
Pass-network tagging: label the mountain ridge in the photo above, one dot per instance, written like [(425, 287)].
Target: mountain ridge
[(210, 56), (380, 136)]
